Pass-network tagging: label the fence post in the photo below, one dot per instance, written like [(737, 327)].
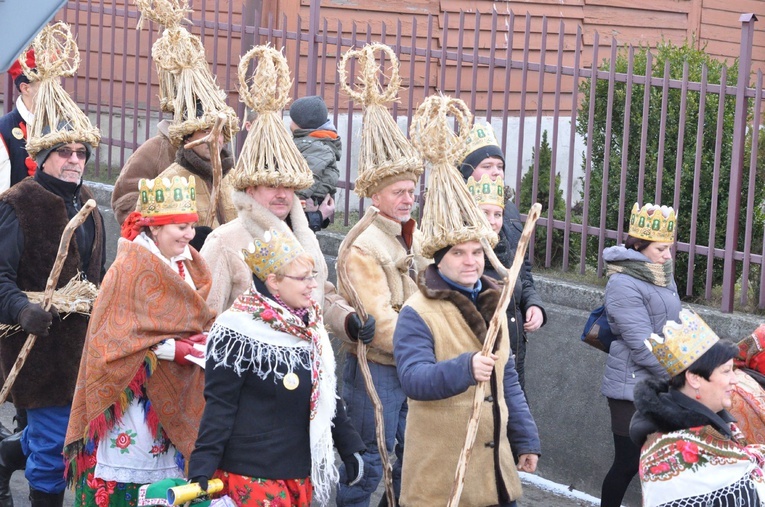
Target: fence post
[(313, 47), (737, 161)]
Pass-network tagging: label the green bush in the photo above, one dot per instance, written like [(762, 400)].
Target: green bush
[(676, 56), (543, 197)]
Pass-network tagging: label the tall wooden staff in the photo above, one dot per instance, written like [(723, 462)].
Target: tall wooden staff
[(213, 141), (488, 346), (50, 286), (361, 348)]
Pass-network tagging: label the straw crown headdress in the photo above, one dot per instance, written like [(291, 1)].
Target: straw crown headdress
[(269, 155), (187, 87), (385, 155), (450, 214), (58, 119), (683, 343), (653, 223), (277, 249)]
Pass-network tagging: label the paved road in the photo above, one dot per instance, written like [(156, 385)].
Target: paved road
[(535, 495)]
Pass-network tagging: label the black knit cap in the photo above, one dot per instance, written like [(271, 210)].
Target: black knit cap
[(471, 161), (309, 112), (439, 255)]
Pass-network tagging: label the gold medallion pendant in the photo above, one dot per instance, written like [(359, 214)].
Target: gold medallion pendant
[(291, 381)]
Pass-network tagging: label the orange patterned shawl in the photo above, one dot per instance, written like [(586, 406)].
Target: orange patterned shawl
[(142, 302), (748, 407)]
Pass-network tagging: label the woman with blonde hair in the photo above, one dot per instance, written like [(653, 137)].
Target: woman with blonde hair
[(272, 415)]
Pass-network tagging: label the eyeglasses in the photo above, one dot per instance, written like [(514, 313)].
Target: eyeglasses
[(67, 152), (304, 279)]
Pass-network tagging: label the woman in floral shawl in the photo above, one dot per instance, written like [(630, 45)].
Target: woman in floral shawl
[(138, 400), (693, 454), (272, 415)]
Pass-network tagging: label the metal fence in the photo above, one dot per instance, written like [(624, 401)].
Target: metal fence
[(600, 184)]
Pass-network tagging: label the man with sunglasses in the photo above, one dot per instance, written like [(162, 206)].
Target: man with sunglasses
[(33, 214)]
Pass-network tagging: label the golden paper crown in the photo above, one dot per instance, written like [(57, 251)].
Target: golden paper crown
[(482, 134), (653, 223), (161, 197), (276, 250), (683, 342), (486, 191)]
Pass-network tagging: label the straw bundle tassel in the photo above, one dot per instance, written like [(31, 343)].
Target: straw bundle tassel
[(450, 214), (269, 156), (385, 150), (169, 14), (77, 296), (56, 56)]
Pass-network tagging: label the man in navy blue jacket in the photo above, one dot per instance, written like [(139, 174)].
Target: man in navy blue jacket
[(437, 344)]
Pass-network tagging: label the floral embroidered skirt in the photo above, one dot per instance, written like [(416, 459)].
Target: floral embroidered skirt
[(253, 492), (93, 492)]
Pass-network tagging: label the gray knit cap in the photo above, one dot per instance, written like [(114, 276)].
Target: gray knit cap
[(309, 112)]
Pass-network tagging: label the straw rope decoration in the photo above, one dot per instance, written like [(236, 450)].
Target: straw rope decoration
[(450, 214), (269, 155), (57, 56), (77, 296), (168, 14), (385, 150), (186, 83)]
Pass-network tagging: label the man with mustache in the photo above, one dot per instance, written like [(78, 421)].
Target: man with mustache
[(33, 214), (382, 265), (264, 197)]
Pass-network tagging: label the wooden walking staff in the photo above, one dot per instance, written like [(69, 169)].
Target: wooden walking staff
[(212, 140), (50, 286), (361, 348), (488, 346)]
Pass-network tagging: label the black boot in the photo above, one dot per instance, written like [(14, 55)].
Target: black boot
[(42, 499), (11, 459)]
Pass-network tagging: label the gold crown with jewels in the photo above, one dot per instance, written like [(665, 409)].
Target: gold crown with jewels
[(653, 223), (276, 250), (162, 196), (683, 342), (485, 191), (482, 134)]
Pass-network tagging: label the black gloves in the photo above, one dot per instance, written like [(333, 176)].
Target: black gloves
[(202, 481), (354, 468), (356, 331), (201, 233), (35, 320)]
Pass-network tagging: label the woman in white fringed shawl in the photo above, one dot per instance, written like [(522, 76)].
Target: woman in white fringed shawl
[(272, 416)]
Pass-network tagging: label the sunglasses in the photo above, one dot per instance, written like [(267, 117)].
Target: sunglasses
[(65, 153)]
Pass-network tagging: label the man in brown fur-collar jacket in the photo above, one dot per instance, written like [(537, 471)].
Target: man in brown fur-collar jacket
[(147, 161), (382, 266), (260, 208), (437, 344)]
